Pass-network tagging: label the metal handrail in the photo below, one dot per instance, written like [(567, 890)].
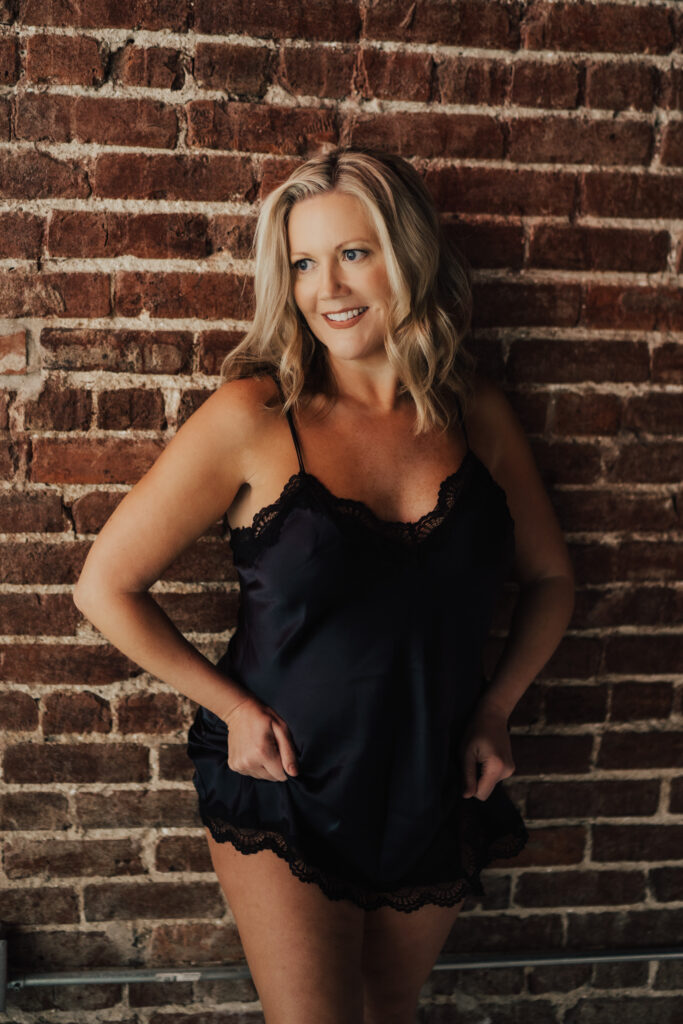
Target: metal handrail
[(214, 972)]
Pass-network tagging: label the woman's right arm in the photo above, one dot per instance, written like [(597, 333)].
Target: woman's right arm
[(186, 491)]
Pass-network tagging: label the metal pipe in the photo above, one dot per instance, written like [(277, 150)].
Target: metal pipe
[(214, 972)]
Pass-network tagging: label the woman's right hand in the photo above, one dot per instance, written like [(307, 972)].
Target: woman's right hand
[(260, 743)]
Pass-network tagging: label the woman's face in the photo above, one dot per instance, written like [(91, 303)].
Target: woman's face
[(338, 265)]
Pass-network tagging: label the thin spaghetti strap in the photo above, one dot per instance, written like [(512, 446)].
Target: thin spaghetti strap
[(462, 420), (292, 428)]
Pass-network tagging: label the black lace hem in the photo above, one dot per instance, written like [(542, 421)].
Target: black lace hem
[(406, 899)]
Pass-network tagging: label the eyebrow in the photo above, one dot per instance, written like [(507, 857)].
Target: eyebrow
[(341, 246)]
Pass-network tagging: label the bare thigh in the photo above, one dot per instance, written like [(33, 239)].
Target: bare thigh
[(399, 953), (303, 949)]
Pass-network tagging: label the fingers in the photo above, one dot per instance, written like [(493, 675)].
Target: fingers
[(494, 769), (287, 752)]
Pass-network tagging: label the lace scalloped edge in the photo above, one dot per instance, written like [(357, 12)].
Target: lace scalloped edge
[(406, 899)]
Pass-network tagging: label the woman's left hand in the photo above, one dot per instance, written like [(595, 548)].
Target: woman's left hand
[(486, 743)]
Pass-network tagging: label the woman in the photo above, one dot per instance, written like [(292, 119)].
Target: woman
[(348, 749)]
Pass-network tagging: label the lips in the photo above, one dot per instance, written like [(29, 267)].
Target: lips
[(349, 320)]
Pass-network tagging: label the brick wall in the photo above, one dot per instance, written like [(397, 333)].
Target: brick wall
[(135, 139)]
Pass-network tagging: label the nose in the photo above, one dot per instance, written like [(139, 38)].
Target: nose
[(331, 282)]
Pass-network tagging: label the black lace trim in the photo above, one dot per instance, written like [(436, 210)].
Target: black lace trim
[(302, 489), (476, 855)]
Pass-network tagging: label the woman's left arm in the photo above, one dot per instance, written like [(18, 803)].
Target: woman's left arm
[(545, 575)]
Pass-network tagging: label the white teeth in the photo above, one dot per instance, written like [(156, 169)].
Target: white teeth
[(345, 316)]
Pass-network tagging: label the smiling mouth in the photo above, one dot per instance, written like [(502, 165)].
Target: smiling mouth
[(347, 316)]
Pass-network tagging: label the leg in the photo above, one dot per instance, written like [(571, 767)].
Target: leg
[(303, 949), (399, 952)]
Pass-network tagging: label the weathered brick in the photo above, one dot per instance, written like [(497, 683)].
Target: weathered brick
[(20, 235), (65, 60), (13, 352), (49, 614), (593, 799), (110, 121), (472, 80), (649, 655), (82, 712), (213, 346), (137, 808), (172, 176), (626, 929), (636, 842), (672, 144), (570, 704), (64, 664), (621, 86), (209, 294), (667, 363), (627, 750), (76, 762), (34, 512), (585, 413), (431, 134), (131, 407), (641, 308), (39, 905), (493, 25), (24, 858), (154, 713), (563, 140), (633, 701), (595, 1010), (149, 236), (549, 360), (540, 84), (511, 304), (182, 853), (487, 245), (587, 248), (496, 190), (221, 124), (27, 175), (169, 15), (667, 883), (584, 888), (9, 60), (548, 753), (91, 511), (23, 293), (40, 562), (28, 810), (190, 401), (623, 194), (117, 351), (612, 28), (244, 70), (626, 975), (18, 711), (309, 21), (394, 75), (58, 407), (125, 902), (564, 844), (92, 461), (152, 67)]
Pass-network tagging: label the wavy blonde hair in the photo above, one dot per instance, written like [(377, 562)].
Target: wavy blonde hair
[(430, 312)]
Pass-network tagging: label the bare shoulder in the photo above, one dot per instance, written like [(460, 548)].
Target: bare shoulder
[(490, 417)]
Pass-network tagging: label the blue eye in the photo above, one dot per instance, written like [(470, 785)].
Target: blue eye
[(306, 259)]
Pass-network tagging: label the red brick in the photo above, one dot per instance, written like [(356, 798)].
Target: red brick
[(246, 70), (39, 905), (583, 248), (647, 461), (128, 902), (28, 175), (539, 84), (672, 144), (190, 401), (31, 512), (153, 713), (252, 127), (585, 413), (639, 308), (141, 409), (592, 799), (173, 762), (498, 303), (488, 244), (645, 560), (20, 235), (58, 407), (109, 121), (40, 562), (93, 460), (91, 511), (73, 857), (13, 352), (392, 76), (656, 413), (150, 236), (51, 614), (634, 701), (23, 293), (212, 348), (182, 853), (65, 60), (626, 975), (308, 21), (667, 363), (628, 750), (28, 810), (77, 762), (565, 140), (137, 808), (215, 610), (210, 295), (167, 15), (471, 80), (117, 351), (173, 176), (596, 888), (494, 190), (612, 28), (549, 360), (637, 842), (615, 194), (626, 929), (625, 86), (430, 134), (671, 94), (572, 704), (18, 711), (209, 558), (492, 25), (82, 712), (534, 755), (152, 67), (9, 60), (232, 233)]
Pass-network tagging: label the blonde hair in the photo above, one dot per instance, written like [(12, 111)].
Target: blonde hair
[(430, 312)]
